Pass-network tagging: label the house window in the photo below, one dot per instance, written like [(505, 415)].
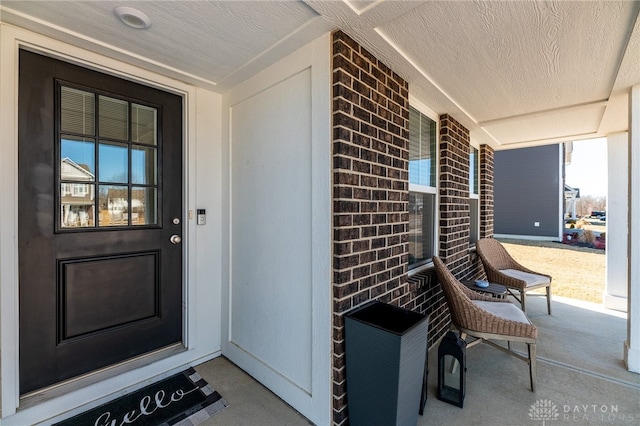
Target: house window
[(422, 188), (79, 190), (474, 196)]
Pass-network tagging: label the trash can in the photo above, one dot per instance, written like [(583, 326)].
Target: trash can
[(385, 349)]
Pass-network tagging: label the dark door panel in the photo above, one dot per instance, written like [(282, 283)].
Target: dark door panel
[(100, 185), (98, 294)]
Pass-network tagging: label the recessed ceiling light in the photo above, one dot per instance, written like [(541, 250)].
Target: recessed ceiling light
[(132, 17)]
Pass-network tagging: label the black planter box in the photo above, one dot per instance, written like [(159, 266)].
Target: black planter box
[(385, 353)]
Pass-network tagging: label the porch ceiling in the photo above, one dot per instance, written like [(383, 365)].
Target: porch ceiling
[(516, 73)]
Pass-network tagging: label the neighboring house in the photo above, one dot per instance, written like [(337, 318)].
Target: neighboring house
[(333, 149), (571, 195), (529, 193), (77, 199)]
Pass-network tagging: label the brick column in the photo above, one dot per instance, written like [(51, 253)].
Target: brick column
[(370, 193), (486, 191), (454, 195)]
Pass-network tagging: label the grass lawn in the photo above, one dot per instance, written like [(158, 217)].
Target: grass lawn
[(577, 272)]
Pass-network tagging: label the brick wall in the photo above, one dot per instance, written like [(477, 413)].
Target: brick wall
[(370, 201), (370, 193), (431, 302)]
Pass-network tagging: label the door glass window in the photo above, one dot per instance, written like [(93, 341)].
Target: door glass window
[(109, 177)]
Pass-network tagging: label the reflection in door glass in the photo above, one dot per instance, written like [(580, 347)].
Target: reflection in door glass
[(113, 161), (77, 199), (113, 205), (143, 165), (144, 210), (78, 159), (77, 209), (114, 208)]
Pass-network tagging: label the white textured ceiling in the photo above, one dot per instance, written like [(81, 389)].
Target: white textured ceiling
[(208, 41), (516, 73)]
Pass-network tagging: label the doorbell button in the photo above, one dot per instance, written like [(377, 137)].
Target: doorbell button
[(202, 217)]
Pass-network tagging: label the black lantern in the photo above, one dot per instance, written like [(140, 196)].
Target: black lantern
[(452, 360)]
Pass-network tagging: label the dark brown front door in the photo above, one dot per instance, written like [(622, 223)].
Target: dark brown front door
[(100, 220)]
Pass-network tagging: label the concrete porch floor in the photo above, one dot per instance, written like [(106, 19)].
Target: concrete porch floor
[(581, 376)]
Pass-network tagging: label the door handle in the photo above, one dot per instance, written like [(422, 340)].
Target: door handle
[(175, 239)]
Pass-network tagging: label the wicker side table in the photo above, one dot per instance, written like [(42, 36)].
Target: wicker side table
[(495, 290)]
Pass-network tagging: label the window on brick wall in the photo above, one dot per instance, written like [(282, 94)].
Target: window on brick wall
[(474, 196), (422, 188)]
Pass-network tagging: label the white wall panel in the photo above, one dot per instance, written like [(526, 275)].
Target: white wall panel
[(277, 291), (271, 227)]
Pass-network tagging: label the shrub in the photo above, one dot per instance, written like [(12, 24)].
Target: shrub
[(587, 236), (582, 223)]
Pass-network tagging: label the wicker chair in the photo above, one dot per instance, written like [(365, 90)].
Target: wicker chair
[(487, 318), (502, 269)]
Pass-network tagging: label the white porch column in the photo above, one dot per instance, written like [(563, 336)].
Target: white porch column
[(632, 345), (617, 283)]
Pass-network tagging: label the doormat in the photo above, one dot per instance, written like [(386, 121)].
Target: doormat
[(185, 399)]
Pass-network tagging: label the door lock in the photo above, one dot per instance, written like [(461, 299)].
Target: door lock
[(175, 239)]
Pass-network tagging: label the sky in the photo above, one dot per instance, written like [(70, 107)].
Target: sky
[(112, 160), (588, 168)]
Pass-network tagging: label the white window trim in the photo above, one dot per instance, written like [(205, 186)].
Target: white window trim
[(414, 187), (425, 110)]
